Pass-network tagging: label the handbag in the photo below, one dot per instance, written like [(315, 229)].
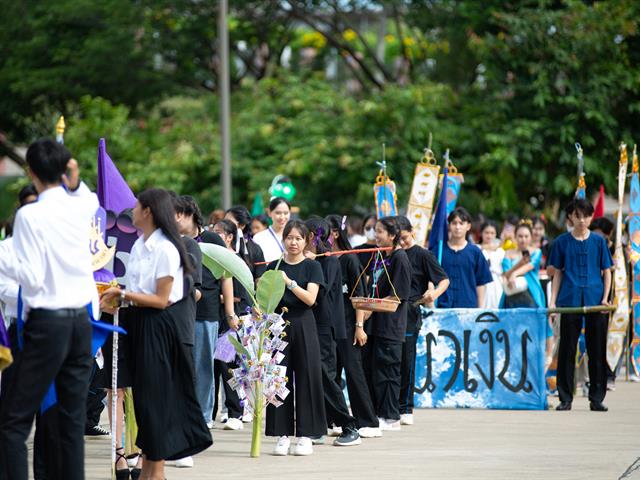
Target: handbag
[(520, 285)]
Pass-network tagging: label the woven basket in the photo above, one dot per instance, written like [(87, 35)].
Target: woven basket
[(375, 304)]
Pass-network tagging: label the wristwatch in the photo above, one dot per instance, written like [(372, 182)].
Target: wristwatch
[(359, 325), (292, 285)]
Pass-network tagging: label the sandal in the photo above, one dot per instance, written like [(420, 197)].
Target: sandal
[(136, 471), (123, 473)]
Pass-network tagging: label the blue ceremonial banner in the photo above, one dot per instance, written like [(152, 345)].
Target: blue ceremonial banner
[(474, 358)]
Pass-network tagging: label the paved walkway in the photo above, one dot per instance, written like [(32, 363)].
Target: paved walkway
[(444, 444)]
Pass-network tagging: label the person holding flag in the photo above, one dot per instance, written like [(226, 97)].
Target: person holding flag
[(49, 258)]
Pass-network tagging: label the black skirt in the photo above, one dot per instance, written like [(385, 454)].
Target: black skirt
[(169, 417), (124, 375)]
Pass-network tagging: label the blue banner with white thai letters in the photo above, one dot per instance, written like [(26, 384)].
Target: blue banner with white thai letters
[(474, 358)]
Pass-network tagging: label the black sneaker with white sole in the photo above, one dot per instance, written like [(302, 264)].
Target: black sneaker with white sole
[(95, 431), (350, 436)]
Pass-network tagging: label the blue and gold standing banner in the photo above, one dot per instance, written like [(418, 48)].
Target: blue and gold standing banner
[(474, 358)]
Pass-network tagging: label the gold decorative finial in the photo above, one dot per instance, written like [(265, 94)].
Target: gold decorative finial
[(60, 126), (623, 153), (581, 183), (635, 160)]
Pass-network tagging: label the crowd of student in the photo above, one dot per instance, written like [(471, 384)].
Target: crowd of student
[(174, 309)]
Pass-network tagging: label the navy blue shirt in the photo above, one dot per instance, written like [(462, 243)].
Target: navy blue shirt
[(466, 269), (582, 263)]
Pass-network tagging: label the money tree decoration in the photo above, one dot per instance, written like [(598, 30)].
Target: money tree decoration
[(259, 379)]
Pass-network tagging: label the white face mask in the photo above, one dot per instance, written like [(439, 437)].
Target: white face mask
[(370, 234)]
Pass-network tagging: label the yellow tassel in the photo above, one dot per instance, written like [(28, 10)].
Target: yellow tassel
[(6, 358)]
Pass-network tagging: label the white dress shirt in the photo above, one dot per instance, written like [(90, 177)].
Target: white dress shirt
[(50, 258), (272, 247), (152, 259), (9, 290)]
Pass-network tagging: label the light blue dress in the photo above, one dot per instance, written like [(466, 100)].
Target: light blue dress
[(532, 278)]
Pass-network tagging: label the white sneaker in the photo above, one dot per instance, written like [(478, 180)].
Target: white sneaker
[(224, 417), (406, 419), (389, 425), (211, 425), (282, 447), (370, 432), (233, 424), (335, 431), (247, 418), (303, 447), (186, 462)]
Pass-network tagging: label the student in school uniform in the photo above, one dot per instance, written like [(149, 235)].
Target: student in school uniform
[(249, 250), (464, 264), (305, 416), (50, 259), (208, 311), (329, 315), (161, 310), (350, 348), (227, 230), (581, 266), (428, 282), (271, 240), (391, 278)]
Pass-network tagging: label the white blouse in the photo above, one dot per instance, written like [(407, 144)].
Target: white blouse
[(272, 247), (156, 258)]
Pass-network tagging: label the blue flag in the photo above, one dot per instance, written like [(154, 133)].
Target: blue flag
[(439, 228)]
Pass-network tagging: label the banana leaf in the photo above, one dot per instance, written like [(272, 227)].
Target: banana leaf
[(270, 290), (223, 262)]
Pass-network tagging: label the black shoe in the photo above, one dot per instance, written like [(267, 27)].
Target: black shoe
[(564, 406), (598, 407), (95, 431), (123, 473), (350, 436)]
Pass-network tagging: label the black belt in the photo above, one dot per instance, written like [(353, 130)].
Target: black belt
[(58, 313)]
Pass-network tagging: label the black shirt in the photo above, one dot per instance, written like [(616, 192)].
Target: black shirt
[(255, 255), (365, 257), (424, 269), (351, 269), (305, 272), (209, 305), (329, 310), (186, 325), (392, 326)]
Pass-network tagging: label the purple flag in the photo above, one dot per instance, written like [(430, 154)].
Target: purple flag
[(113, 192)]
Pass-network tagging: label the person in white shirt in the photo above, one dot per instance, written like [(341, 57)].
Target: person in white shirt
[(160, 316), (270, 240), (50, 259)]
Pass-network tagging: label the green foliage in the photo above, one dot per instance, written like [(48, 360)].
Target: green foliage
[(270, 290), (223, 262)]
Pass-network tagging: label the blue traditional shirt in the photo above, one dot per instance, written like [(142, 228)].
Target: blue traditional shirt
[(582, 263), (532, 278), (466, 269)]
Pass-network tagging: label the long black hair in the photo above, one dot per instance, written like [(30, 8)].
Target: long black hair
[(242, 216), (391, 226), (273, 204), (404, 224), (336, 223), (321, 230), (229, 228), (162, 208)]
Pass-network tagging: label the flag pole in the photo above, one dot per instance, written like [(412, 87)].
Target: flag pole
[(114, 395)]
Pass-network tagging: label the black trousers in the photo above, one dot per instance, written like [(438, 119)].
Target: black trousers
[(334, 402), (383, 360), (304, 372), (231, 399), (596, 326), (350, 358), (408, 373), (95, 398), (56, 348)]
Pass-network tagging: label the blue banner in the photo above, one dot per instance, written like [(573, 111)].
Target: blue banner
[(473, 358)]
